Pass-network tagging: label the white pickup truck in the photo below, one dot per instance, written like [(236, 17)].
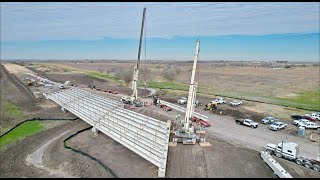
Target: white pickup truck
[(219, 100), (297, 122), (309, 125), (277, 126), (183, 100), (247, 122)]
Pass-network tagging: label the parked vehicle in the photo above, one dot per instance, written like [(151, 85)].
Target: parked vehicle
[(277, 126), (268, 120), (302, 121), (114, 92), (165, 107), (296, 122), (296, 117), (61, 87), (312, 116), (317, 113), (309, 125), (235, 103), (211, 106), (290, 151), (67, 83), (126, 100), (308, 118), (200, 122), (48, 85), (219, 100), (197, 103), (95, 87), (138, 104), (247, 122), (183, 100)]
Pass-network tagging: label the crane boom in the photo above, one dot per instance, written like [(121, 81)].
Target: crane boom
[(192, 90), (136, 68), (141, 34)]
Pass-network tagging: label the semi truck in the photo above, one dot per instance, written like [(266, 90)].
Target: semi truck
[(290, 151)]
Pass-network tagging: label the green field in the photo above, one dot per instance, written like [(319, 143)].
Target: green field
[(22, 131), (306, 99), (103, 76)]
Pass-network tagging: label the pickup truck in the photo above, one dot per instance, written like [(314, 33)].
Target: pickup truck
[(310, 125), (165, 107), (219, 100), (277, 126), (296, 117), (312, 116), (268, 120), (247, 122), (235, 103), (297, 122), (200, 122), (183, 100)]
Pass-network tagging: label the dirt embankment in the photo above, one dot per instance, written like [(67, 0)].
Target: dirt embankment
[(9, 83)]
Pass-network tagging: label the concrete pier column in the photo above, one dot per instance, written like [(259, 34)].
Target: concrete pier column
[(95, 131), (63, 109), (162, 172)]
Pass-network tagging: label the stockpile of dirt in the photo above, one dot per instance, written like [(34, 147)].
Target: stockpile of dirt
[(83, 80), (236, 113)]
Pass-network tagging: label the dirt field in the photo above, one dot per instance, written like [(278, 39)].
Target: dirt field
[(294, 87), (284, 82)]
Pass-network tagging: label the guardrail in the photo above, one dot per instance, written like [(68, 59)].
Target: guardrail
[(274, 165), (182, 109)]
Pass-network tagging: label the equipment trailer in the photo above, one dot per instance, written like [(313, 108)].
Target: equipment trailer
[(290, 151)]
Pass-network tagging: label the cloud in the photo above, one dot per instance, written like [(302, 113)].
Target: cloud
[(95, 20)]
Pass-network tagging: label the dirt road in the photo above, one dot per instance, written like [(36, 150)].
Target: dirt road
[(36, 159)]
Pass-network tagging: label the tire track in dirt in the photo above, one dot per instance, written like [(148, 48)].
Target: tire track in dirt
[(36, 159)]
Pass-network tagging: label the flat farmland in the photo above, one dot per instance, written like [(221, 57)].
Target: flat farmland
[(296, 87)]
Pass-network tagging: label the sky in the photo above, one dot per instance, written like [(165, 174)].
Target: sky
[(104, 30)]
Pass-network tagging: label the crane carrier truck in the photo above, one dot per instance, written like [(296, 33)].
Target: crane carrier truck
[(290, 151)]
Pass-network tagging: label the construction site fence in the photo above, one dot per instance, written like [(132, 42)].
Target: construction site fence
[(65, 140)]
